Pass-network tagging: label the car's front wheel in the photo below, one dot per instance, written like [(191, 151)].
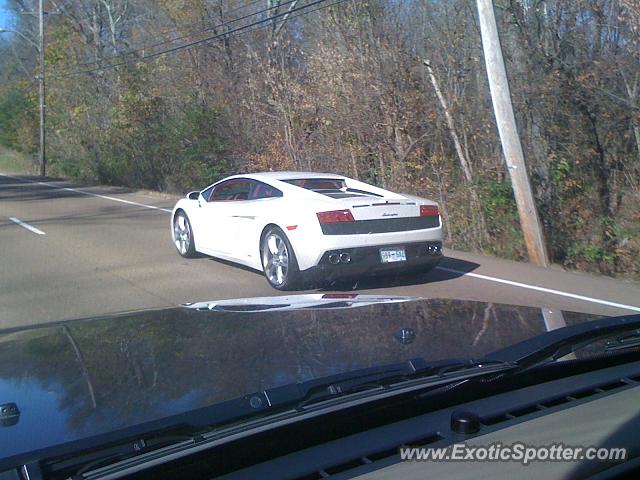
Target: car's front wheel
[(183, 235), (279, 261)]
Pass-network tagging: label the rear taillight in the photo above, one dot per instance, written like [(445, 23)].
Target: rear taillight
[(335, 216), (429, 211)]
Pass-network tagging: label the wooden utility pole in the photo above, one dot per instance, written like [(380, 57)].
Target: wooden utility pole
[(41, 83), (505, 119), (43, 105)]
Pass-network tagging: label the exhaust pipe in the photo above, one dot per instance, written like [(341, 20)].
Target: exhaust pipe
[(434, 249), (345, 257), (334, 259)]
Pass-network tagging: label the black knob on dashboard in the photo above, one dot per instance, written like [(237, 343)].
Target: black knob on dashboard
[(9, 414), (463, 421)]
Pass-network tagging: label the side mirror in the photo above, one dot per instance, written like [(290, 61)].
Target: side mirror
[(193, 195)]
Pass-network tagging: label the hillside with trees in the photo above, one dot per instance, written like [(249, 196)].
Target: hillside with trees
[(342, 86)]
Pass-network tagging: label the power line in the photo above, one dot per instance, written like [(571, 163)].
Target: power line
[(209, 27), (207, 24), (213, 37), (300, 14), (179, 47)]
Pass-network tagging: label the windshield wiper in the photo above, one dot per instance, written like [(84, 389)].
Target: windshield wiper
[(563, 341), (384, 377), (623, 342)]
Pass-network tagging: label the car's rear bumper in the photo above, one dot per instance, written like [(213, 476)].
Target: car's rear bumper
[(366, 261), (310, 244)]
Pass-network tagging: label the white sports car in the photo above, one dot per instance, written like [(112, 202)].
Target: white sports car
[(298, 226)]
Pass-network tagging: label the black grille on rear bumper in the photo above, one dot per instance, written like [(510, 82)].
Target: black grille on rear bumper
[(384, 225)]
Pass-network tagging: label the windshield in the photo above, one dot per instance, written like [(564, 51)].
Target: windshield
[(202, 201)]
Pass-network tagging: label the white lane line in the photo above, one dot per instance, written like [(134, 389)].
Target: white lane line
[(541, 289), (91, 194), (31, 228)]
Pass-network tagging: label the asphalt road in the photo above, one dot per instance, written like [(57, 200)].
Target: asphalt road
[(69, 251)]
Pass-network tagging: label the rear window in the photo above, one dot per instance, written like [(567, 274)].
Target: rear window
[(319, 184), (331, 187)]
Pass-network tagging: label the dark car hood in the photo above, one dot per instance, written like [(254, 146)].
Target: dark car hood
[(82, 378)]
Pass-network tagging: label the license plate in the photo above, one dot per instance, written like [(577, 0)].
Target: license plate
[(388, 255)]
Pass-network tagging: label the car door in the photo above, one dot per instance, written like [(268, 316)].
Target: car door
[(220, 215), (247, 215), (196, 215)]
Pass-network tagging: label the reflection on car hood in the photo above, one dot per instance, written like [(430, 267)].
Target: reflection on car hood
[(86, 377), (312, 301)]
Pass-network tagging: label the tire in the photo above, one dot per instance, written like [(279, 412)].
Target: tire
[(279, 262), (183, 235)]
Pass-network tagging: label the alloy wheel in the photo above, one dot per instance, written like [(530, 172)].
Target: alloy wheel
[(275, 258), (182, 234)]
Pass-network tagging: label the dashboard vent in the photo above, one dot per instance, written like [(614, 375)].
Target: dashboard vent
[(555, 401), (369, 458)]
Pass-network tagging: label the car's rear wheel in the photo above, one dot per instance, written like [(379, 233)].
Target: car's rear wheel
[(279, 261), (183, 235)]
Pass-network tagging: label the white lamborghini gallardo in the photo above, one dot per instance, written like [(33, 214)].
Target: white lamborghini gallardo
[(299, 226)]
